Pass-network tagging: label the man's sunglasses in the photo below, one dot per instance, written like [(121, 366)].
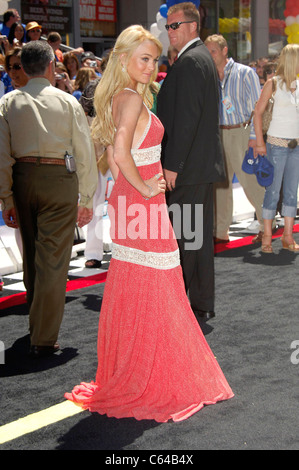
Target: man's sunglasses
[(176, 25), (15, 67)]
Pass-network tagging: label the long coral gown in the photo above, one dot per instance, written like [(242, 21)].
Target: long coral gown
[(153, 359)]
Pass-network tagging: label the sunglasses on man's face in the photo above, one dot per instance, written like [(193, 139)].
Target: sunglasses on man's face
[(176, 25), (15, 67)]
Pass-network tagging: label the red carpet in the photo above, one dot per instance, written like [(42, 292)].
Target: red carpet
[(247, 241), (19, 299)]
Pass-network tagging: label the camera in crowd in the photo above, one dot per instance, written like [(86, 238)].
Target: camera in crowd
[(60, 76)]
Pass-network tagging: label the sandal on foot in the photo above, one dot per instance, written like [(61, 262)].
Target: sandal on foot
[(267, 247), (290, 246), (93, 263)]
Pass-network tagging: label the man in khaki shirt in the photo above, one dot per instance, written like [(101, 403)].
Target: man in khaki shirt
[(39, 124)]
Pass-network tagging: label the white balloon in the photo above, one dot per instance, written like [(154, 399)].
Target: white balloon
[(155, 30), (290, 20), (158, 16), (163, 38), (161, 23), (244, 24)]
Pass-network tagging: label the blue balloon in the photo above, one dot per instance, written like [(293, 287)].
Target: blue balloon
[(171, 2), (164, 10), (174, 2)]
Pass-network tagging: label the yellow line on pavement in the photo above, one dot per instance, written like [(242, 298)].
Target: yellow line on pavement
[(38, 420)]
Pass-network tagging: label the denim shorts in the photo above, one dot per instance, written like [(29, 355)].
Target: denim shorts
[(286, 173)]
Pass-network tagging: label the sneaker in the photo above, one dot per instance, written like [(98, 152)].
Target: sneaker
[(254, 227)]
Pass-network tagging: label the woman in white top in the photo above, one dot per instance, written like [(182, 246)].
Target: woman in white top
[(282, 147)]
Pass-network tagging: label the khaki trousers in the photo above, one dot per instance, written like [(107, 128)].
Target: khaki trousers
[(235, 144), (46, 199)]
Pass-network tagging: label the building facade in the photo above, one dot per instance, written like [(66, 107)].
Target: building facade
[(253, 28)]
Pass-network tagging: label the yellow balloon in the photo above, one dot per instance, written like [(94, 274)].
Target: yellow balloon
[(221, 26), (293, 38), (294, 28), (235, 24), (230, 25), (246, 13)]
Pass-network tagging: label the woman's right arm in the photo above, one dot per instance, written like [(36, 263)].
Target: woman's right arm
[(112, 165)]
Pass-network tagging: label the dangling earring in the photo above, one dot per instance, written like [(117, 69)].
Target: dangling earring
[(123, 69)]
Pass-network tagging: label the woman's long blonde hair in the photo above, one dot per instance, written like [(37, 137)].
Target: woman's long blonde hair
[(288, 65), (115, 79)]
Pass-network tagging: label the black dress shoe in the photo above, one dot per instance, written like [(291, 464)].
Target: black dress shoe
[(205, 315), (93, 263), (43, 351)]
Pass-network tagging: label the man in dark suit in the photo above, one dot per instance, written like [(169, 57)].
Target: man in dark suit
[(188, 106)]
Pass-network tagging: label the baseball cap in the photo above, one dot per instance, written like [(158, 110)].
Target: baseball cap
[(264, 171), (260, 166), (249, 162), (87, 55)]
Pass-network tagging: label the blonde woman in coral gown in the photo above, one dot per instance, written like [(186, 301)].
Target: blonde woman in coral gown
[(153, 360)]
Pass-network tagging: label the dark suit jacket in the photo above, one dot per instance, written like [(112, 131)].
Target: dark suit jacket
[(188, 106)]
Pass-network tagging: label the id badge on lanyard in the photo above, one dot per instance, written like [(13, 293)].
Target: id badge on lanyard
[(226, 101), (228, 105)]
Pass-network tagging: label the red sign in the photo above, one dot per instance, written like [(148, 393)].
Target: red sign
[(98, 10)]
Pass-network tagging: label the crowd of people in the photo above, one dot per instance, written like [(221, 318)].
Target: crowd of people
[(177, 144), (74, 71), (14, 34)]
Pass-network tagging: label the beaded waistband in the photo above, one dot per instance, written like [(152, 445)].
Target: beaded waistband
[(146, 258), (279, 141), (146, 156)]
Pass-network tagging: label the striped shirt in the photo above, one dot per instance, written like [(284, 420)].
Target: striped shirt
[(239, 91)]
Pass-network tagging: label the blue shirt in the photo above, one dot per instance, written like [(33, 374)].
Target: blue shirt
[(4, 77), (239, 91), (4, 30)]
